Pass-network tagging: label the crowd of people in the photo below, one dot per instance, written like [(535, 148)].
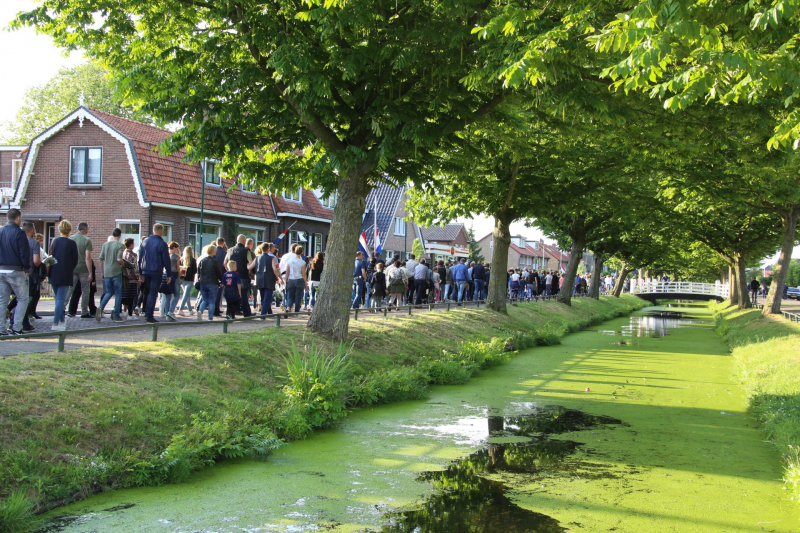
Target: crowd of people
[(239, 280)]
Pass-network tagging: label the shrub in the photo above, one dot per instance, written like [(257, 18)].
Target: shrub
[(318, 384), (441, 372), (15, 511), (394, 385)]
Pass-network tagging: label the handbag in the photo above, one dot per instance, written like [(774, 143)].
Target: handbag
[(165, 288)]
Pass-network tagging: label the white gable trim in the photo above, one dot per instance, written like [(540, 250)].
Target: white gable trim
[(80, 114)]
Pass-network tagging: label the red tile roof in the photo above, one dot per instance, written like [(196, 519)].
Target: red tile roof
[(309, 206), (169, 180), (521, 251), (555, 253)]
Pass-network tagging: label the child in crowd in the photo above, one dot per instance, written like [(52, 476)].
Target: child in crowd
[(232, 283)]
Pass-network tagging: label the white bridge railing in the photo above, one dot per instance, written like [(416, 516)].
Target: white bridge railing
[(683, 287)]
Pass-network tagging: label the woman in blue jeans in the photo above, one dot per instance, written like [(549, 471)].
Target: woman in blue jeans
[(65, 252), (296, 281), (209, 276), (189, 265)]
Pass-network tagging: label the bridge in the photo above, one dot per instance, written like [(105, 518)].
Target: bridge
[(679, 290)]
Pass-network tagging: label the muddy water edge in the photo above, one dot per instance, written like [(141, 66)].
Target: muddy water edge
[(633, 425)]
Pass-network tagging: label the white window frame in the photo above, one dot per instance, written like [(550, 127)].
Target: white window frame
[(292, 239), (138, 239), (246, 190), (168, 227), (206, 224), (205, 174), (330, 201), (16, 171), (291, 198), (87, 148), (399, 224), (317, 240), (254, 230)]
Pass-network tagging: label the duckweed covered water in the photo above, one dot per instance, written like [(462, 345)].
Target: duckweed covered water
[(591, 435)]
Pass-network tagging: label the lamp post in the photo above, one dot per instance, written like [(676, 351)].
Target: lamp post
[(202, 205)]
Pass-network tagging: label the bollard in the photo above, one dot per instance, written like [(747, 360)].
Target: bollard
[(154, 337), (409, 310), (478, 304), (385, 312), (61, 338), (430, 307), (277, 321), (224, 326), (448, 306), (356, 314)]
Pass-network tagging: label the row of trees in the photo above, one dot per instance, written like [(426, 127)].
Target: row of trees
[(506, 109)]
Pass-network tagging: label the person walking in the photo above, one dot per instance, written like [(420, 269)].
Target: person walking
[(754, 286), (360, 279), (296, 280), (189, 270), (420, 281), (411, 268), (169, 289), (209, 277), (130, 275), (84, 271), (34, 277), (479, 280), (317, 265), (460, 278), (398, 283), (15, 266), (111, 259), (65, 258), (220, 254), (267, 275), (378, 286), (245, 260), (232, 284), (154, 262)]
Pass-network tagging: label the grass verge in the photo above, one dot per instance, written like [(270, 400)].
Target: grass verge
[(95, 419), (767, 354)]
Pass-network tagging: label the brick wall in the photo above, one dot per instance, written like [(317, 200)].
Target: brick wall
[(49, 190), (396, 243)]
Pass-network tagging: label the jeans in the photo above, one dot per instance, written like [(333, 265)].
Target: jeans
[(462, 285), (14, 282), (246, 311), (266, 301), (359, 293), (86, 288), (209, 293), (447, 291), (421, 286), (152, 282), (294, 290), (186, 298), (410, 291), (113, 286), (314, 289), (479, 287), (60, 292), (34, 292), (218, 304), (170, 301)]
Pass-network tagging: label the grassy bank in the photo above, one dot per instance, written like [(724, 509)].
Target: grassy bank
[(149, 413), (767, 352)]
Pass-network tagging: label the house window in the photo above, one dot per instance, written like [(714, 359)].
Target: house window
[(316, 242), (167, 235), (293, 195), (211, 173), (16, 171), (210, 234), (399, 226), (257, 234), (249, 186), (130, 229), (298, 237), (85, 166), (330, 201)]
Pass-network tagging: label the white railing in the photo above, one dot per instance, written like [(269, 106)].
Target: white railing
[(683, 287)]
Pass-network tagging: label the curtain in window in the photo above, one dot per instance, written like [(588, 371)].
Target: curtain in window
[(78, 165), (93, 170)]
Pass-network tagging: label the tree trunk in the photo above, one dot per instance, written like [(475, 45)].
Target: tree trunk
[(331, 314), (775, 295), (497, 280), (741, 281), (578, 235), (597, 279), (621, 280), (733, 286)]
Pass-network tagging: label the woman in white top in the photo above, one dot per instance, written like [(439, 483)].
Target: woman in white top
[(296, 280)]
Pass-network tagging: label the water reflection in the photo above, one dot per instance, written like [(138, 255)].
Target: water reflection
[(656, 324), (466, 501)]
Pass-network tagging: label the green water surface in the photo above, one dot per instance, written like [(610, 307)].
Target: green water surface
[(686, 456)]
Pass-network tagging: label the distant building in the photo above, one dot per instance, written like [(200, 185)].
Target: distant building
[(386, 204), (522, 253), (12, 159), (448, 242)]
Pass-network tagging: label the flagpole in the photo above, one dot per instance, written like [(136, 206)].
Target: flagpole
[(375, 224)]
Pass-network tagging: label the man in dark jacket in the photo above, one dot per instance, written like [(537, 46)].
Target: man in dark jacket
[(153, 262), (15, 264), (243, 257), (479, 280), (222, 251)]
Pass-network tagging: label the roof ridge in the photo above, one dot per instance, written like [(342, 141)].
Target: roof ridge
[(140, 123)]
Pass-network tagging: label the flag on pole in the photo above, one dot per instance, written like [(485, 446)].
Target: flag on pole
[(377, 242), (362, 245), (278, 240), (561, 266)]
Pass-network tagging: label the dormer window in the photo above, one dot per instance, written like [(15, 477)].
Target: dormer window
[(211, 173), (330, 201), (294, 196), (249, 186), (86, 166)]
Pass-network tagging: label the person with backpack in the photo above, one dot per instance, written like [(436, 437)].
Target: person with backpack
[(398, 283), (267, 275)]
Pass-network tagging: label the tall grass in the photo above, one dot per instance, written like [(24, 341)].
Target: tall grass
[(15, 512)]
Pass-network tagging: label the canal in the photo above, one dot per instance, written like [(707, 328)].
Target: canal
[(630, 426)]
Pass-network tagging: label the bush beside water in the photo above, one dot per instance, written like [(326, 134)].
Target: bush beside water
[(767, 355), (96, 419)]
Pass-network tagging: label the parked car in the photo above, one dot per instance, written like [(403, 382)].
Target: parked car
[(793, 292)]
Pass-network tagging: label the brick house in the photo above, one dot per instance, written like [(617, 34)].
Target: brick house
[(386, 204), (98, 168), (522, 253), (308, 215), (450, 241)]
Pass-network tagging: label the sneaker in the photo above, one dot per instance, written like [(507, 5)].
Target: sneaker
[(199, 315), (71, 315), (118, 320), (86, 316), (136, 311), (171, 317), (28, 329), (99, 314), (151, 321), (37, 317), (181, 313), (60, 327), (132, 317), (14, 332), (191, 312)]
